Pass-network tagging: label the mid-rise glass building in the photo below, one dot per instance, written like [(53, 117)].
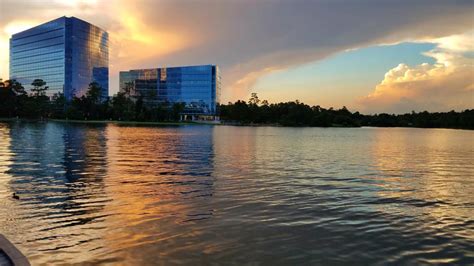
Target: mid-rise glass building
[(67, 53), (198, 87)]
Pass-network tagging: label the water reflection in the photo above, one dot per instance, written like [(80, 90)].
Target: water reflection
[(436, 183), (58, 171), (5, 162), (205, 195), (160, 180), (104, 189)]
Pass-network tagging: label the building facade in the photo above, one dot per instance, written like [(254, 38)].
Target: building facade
[(198, 87), (67, 53)]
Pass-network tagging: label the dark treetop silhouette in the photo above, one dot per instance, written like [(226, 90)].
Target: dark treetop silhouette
[(17, 102)]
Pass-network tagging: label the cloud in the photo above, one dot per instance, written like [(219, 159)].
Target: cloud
[(247, 39), (445, 85), (132, 40)]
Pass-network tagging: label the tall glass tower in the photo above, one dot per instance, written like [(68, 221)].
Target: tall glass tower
[(67, 53)]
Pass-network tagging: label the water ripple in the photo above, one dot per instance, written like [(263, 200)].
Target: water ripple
[(93, 194)]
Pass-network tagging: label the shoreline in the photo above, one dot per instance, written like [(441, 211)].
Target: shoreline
[(169, 123), (179, 123), (120, 122)]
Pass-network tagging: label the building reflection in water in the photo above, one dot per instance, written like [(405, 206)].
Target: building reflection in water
[(161, 183), (58, 171), (197, 194), (104, 191)]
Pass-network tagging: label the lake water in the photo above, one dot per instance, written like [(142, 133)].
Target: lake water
[(139, 195)]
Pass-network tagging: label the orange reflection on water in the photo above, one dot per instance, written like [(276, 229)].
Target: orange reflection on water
[(151, 188), (136, 195), (416, 167)]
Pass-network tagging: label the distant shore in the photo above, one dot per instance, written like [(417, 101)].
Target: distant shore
[(170, 123), (121, 122), (184, 123), (156, 123)]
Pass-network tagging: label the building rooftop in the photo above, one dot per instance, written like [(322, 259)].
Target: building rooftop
[(19, 34), (171, 67)]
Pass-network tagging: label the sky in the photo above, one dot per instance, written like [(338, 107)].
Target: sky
[(368, 55)]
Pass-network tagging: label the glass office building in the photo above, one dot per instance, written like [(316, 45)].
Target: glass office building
[(198, 87), (67, 53)]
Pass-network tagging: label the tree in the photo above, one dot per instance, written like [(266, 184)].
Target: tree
[(8, 98), (128, 89), (15, 101), (16, 87), (254, 100), (39, 104), (177, 109), (122, 107), (94, 93), (58, 105), (39, 88)]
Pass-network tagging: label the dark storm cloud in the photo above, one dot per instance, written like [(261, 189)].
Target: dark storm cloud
[(251, 38)]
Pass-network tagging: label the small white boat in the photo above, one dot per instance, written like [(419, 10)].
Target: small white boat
[(10, 255)]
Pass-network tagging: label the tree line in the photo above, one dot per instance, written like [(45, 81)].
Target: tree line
[(295, 113), (16, 101), (35, 104)]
